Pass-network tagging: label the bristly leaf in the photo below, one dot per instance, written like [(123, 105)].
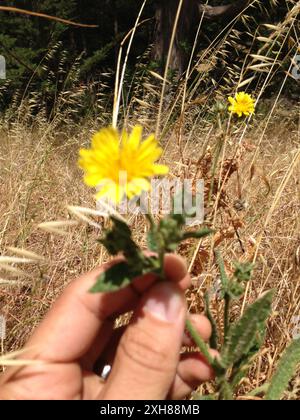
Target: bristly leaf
[(234, 287), (242, 335), (224, 278), (152, 240), (226, 391), (162, 238), (113, 279), (241, 368), (198, 397), (243, 271), (119, 238), (169, 234), (285, 372), (198, 234), (122, 274)]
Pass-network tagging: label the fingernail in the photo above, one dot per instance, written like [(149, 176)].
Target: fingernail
[(165, 302)]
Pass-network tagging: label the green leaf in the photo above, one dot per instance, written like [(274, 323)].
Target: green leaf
[(169, 233), (285, 372), (198, 397), (242, 367), (119, 239), (242, 335), (122, 274), (259, 390), (224, 278), (243, 271), (198, 234), (152, 241), (115, 278), (226, 392)]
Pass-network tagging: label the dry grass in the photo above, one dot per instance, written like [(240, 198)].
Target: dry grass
[(39, 179), (256, 218)]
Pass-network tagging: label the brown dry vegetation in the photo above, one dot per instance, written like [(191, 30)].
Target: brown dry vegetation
[(256, 219), (39, 178)]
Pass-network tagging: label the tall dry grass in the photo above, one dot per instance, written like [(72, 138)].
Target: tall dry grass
[(255, 204), (40, 178)]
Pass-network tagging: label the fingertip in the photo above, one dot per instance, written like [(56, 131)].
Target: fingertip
[(192, 370), (195, 369), (175, 270), (202, 326)]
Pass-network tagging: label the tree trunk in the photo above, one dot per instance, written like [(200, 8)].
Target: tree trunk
[(185, 34), (191, 13)]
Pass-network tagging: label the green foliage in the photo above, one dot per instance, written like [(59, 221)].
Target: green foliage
[(122, 274), (119, 240), (113, 279), (214, 339), (234, 288), (169, 234), (26, 41), (162, 238), (243, 272), (197, 397), (242, 335), (285, 372), (242, 340)]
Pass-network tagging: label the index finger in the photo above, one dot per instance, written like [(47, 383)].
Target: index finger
[(76, 319)]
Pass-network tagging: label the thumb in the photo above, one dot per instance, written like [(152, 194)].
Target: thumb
[(148, 355)]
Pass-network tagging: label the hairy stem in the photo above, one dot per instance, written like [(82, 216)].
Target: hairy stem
[(199, 342), (226, 314)]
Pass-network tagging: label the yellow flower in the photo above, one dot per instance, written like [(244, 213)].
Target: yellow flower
[(242, 103), (121, 164)]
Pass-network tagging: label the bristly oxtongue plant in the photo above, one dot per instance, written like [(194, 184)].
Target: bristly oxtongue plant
[(238, 343), (241, 341)]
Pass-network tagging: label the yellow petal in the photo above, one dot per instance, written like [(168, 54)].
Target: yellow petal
[(106, 139), (136, 187), (135, 137), (112, 191), (160, 169), (92, 180)]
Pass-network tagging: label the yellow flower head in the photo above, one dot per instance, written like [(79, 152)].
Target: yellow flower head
[(121, 164), (242, 104)]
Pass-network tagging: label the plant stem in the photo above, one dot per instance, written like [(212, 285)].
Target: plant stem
[(161, 257), (199, 342), (161, 250), (194, 334), (226, 314), (150, 219)]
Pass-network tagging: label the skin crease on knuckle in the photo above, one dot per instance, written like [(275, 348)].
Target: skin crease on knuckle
[(140, 347), (144, 347)]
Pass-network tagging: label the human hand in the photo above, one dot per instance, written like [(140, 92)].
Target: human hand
[(78, 335)]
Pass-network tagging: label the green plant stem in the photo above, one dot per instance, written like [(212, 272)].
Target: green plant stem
[(161, 257), (161, 252), (224, 389), (192, 331), (260, 390), (199, 342), (150, 219), (226, 314)]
